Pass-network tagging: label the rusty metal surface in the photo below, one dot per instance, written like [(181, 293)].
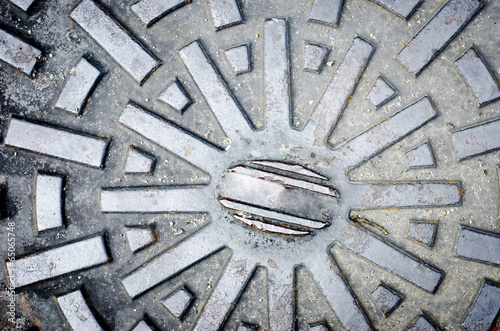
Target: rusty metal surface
[(17, 53), (192, 194)]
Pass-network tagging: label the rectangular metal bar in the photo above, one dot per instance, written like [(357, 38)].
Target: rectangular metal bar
[(286, 181), (479, 245), (81, 81), (225, 13), (214, 88), (47, 140), (326, 11), (486, 307), (281, 299), (77, 312), (478, 77), (167, 136), (277, 91), (268, 227), (245, 208), (337, 292), (154, 200), (150, 11), (391, 258), (58, 261), (17, 53), (115, 40), (294, 168), (228, 288), (431, 194), (437, 33), (170, 262), (49, 207), (477, 139), (386, 133), (339, 90)]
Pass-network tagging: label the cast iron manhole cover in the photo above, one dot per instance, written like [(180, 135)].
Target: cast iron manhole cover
[(249, 165)]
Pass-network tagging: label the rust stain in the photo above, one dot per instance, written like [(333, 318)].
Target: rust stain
[(451, 18), (272, 263)]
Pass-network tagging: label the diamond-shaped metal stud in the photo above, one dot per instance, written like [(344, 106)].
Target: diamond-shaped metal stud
[(422, 324), (140, 237), (179, 302), (423, 232), (239, 58), (315, 56), (381, 92), (386, 299), (139, 162), (175, 96), (142, 326), (421, 156)]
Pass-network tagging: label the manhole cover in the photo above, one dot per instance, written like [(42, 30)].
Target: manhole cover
[(250, 165)]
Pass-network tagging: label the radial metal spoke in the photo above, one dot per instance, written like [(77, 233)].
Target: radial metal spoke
[(339, 91), (386, 133), (408, 194), (225, 294), (337, 292), (171, 262), (168, 136), (156, 200), (281, 298), (277, 84), (215, 91), (391, 258)]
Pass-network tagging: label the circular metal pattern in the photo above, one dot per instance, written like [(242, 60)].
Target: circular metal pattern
[(250, 165)]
